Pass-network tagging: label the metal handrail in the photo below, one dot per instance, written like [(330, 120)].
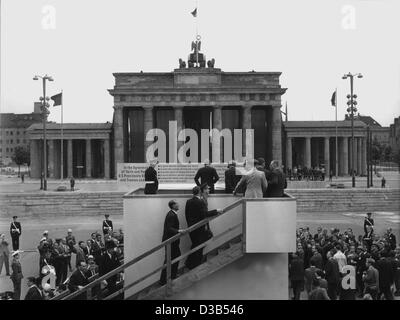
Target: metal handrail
[(166, 243)]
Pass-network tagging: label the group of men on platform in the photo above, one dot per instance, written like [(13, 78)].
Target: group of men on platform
[(253, 184)]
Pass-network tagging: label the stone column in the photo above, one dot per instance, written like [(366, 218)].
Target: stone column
[(345, 156), (69, 159), (106, 158), (35, 159), (351, 156), (308, 153), (327, 156), (217, 154), (118, 137), (246, 124), (358, 156), (51, 158), (363, 156), (276, 125), (148, 125), (289, 164), (88, 158)]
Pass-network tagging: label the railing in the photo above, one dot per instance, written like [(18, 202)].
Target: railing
[(167, 245)]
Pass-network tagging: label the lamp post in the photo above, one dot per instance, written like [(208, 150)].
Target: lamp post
[(45, 113), (351, 109)]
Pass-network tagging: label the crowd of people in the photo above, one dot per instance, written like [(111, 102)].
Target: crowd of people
[(321, 263), (308, 174), (96, 256)]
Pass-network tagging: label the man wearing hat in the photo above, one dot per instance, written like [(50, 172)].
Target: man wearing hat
[(368, 221), (15, 231), (150, 176), (108, 263), (107, 225), (208, 175), (16, 275), (34, 292)]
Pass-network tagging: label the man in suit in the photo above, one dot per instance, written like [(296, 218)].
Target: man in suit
[(391, 238), (309, 276), (34, 292), (296, 275), (97, 248), (15, 231), (92, 270), (208, 175), (16, 275), (195, 211), (171, 228), (4, 254), (108, 263), (71, 242), (107, 225), (80, 253), (78, 280), (276, 181), (386, 276), (254, 180), (150, 176), (231, 178), (332, 276)]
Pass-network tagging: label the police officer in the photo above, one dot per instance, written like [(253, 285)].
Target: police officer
[(16, 275), (150, 176), (107, 225), (15, 231)]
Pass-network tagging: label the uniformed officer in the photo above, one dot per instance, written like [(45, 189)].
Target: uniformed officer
[(16, 275), (150, 176), (107, 225), (15, 231), (368, 221)]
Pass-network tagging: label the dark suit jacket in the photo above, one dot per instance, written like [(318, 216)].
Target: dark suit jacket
[(332, 271), (171, 227), (77, 279), (196, 211), (33, 294), (368, 222), (296, 269), (151, 175), (276, 183), (206, 175), (12, 229), (108, 264), (386, 275), (231, 180)]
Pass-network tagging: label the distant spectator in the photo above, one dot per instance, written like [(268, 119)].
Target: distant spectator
[(371, 279), (22, 177), (72, 183), (383, 182), (296, 275), (318, 293)]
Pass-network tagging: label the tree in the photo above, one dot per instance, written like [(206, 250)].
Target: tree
[(21, 156)]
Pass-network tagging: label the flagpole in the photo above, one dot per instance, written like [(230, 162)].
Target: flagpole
[(336, 142), (62, 137)]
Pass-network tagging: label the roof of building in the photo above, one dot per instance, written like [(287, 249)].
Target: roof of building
[(72, 126), (322, 124), (368, 120), (24, 120)]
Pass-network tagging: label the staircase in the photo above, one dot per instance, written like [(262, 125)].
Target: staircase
[(216, 260), (98, 203), (346, 200)]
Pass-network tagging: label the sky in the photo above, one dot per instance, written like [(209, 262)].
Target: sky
[(312, 42)]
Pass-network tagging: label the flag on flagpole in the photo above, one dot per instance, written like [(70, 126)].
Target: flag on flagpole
[(334, 99), (194, 13), (57, 99)]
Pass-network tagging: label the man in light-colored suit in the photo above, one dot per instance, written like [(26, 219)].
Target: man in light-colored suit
[(254, 180)]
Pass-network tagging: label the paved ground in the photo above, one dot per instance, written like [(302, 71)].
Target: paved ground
[(83, 225)]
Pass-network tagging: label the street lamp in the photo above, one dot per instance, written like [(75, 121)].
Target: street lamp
[(351, 109), (45, 113)]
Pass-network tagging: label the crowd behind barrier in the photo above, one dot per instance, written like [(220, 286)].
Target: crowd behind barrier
[(323, 263)]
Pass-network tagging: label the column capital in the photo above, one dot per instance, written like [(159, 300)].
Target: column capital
[(147, 107)]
